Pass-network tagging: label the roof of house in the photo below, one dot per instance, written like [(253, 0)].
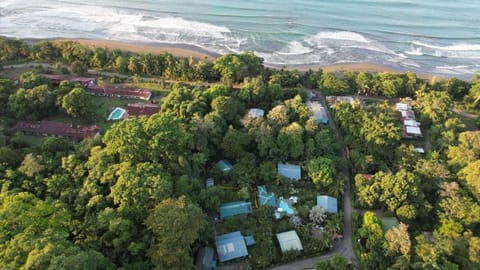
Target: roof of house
[(235, 208), (265, 197), (249, 240), (290, 171), (319, 112), (210, 182), (388, 223), (328, 203), (230, 246), (408, 114), (120, 91), (139, 109), (411, 122), (420, 150), (58, 78), (337, 99), (58, 129), (224, 165), (403, 106), (255, 113), (413, 130), (205, 259), (289, 241)]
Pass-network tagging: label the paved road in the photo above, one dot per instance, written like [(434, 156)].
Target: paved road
[(342, 247)]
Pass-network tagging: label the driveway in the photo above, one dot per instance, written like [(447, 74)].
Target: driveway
[(342, 247)]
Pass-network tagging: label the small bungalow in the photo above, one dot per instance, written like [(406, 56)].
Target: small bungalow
[(318, 111), (420, 150), (403, 106), (255, 113), (249, 240), (410, 132), (224, 165), (235, 208), (210, 182), (265, 197), (328, 203), (231, 246), (332, 100), (58, 129), (206, 259), (290, 171), (388, 223), (289, 241)]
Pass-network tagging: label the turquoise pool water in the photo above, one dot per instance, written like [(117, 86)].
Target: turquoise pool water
[(286, 207), (116, 114)]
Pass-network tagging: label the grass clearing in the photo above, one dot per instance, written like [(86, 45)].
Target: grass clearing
[(31, 140), (15, 72)]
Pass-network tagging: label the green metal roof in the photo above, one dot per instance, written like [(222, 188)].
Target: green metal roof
[(388, 223), (289, 241)]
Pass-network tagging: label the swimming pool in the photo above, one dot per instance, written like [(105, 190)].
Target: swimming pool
[(286, 207), (116, 114)]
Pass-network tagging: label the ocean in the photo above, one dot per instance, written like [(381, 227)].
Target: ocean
[(429, 36)]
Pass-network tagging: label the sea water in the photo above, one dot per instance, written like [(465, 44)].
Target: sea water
[(429, 36)]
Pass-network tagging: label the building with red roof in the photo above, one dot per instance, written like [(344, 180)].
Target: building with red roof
[(141, 109), (58, 129)]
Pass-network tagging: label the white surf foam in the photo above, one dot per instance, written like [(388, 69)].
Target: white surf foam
[(101, 22), (295, 48), (466, 51), (417, 51), (458, 69), (320, 37)]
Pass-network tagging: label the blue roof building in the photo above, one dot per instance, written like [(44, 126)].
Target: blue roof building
[(230, 246), (249, 240), (206, 259), (224, 165), (328, 203), (265, 197), (235, 208), (293, 172)]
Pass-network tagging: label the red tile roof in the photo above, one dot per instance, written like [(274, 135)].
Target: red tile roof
[(109, 90), (57, 129), (138, 109)]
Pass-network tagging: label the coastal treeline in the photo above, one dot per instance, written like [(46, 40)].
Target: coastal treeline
[(231, 69), (136, 197)]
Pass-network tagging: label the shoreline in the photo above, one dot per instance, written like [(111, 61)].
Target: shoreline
[(184, 50), (179, 50)]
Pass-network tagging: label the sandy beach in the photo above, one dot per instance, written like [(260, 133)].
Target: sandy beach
[(176, 50), (198, 53)]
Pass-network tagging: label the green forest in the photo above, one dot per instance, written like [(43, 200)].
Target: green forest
[(136, 196)]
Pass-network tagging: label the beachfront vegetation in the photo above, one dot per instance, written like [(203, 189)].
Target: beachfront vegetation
[(135, 197)]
